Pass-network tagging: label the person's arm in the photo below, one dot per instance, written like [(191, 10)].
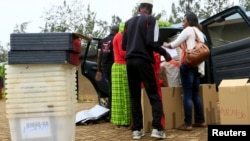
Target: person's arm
[(163, 52), (98, 75), (153, 36), (179, 40), (167, 45)]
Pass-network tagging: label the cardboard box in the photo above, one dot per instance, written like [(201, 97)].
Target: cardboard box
[(146, 112), (234, 101), (172, 108), (209, 98)]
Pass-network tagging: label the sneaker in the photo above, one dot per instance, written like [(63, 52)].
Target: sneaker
[(138, 134), (158, 134)]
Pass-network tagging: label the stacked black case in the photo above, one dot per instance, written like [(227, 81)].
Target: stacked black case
[(43, 48)]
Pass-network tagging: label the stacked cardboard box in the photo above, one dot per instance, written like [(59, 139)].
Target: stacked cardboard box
[(173, 106), (209, 98)]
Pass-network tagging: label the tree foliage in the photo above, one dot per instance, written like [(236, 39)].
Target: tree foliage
[(162, 23), (21, 28), (213, 7), (74, 18), (246, 3), (4, 49), (4, 53), (158, 16), (204, 10), (63, 18)]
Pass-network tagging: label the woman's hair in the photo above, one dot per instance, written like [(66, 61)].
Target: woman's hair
[(193, 20)]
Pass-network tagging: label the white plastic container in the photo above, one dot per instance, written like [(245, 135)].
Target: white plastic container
[(41, 99), (39, 105), (31, 68), (59, 93), (50, 128), (10, 90), (41, 102)]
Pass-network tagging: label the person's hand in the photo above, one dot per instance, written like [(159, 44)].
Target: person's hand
[(98, 76), (166, 45), (167, 57)]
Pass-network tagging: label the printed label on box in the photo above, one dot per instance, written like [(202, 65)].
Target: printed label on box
[(35, 128)]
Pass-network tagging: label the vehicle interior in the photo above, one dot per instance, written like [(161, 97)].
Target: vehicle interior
[(89, 69)]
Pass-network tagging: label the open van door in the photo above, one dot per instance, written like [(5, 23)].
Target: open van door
[(228, 36), (89, 69)]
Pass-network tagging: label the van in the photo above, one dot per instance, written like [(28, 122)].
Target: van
[(227, 35)]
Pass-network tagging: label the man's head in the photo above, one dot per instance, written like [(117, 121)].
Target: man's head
[(146, 6), (114, 29)]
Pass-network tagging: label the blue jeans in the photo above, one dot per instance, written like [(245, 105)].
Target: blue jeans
[(190, 79)]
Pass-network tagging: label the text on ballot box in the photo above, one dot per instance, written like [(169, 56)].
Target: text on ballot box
[(232, 132), (35, 127)]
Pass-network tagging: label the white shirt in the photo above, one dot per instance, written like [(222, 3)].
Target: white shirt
[(188, 35)]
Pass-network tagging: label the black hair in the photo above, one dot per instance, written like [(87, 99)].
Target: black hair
[(114, 29), (148, 7), (192, 19)]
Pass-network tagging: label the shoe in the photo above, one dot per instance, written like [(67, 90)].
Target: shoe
[(138, 134), (203, 124), (185, 128), (158, 134)]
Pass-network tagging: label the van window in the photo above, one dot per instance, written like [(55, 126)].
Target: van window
[(229, 29)]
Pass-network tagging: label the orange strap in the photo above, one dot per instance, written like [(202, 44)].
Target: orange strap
[(183, 48)]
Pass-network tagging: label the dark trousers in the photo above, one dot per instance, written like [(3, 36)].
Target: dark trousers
[(140, 70), (106, 69)]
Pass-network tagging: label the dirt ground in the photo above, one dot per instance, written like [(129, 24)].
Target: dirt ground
[(105, 131)]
